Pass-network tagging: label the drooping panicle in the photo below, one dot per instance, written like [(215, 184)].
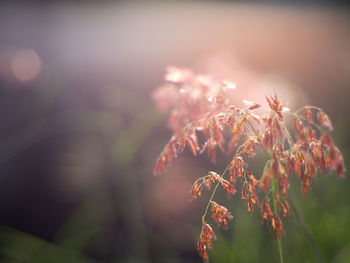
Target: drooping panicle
[(205, 240), (220, 214), (266, 212), (277, 225)]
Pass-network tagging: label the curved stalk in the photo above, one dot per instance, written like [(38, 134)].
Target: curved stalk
[(308, 107), (214, 191)]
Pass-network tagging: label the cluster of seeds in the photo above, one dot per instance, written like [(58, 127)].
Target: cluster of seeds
[(199, 104)]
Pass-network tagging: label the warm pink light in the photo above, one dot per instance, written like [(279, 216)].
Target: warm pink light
[(25, 65)]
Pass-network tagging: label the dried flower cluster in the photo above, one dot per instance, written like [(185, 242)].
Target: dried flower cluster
[(200, 105)]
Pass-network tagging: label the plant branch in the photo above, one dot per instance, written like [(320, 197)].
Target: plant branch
[(273, 185), (212, 195), (308, 107)]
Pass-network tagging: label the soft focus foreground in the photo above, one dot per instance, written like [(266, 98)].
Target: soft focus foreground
[(79, 131)]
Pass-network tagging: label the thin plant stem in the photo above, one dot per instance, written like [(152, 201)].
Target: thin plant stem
[(280, 249), (296, 115), (212, 195), (273, 184), (308, 107), (306, 231)]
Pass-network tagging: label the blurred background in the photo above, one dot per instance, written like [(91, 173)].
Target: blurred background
[(80, 133)]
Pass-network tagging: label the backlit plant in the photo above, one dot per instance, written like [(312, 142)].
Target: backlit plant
[(200, 107)]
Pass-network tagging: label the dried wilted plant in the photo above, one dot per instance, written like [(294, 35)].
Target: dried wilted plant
[(199, 104)]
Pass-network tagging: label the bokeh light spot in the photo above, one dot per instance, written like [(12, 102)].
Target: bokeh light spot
[(25, 65)]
